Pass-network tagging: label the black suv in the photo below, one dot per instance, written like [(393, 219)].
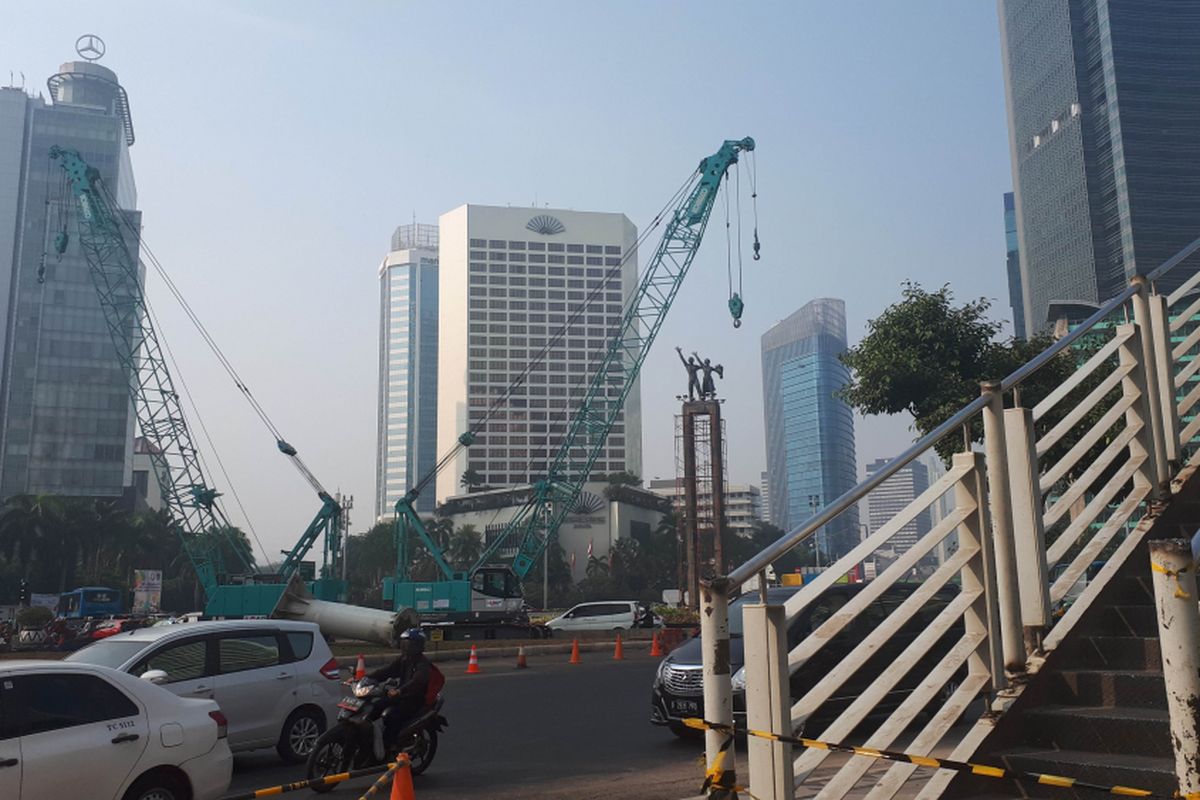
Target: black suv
[(678, 686)]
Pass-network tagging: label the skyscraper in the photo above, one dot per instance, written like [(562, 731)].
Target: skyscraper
[(66, 420), (408, 367), (1105, 144), (809, 431), (510, 278), (893, 496), (1012, 261)]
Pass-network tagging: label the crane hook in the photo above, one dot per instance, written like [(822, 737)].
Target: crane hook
[(756, 245), (736, 307)]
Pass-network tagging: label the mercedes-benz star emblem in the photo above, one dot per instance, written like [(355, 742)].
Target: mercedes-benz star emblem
[(89, 47)]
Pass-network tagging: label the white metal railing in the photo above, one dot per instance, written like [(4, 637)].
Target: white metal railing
[(1051, 497)]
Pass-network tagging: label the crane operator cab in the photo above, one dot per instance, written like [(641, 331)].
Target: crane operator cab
[(496, 591)]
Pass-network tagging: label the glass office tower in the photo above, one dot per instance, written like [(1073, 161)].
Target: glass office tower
[(408, 367), (1012, 262), (1105, 144), (66, 420), (809, 431)]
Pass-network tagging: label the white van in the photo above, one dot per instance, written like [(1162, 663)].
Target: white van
[(607, 615)]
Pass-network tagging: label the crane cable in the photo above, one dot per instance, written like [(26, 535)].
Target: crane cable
[(280, 442), (178, 375), (516, 382)]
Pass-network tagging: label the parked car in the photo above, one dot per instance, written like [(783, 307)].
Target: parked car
[(608, 615), (83, 730), (275, 680), (678, 685)]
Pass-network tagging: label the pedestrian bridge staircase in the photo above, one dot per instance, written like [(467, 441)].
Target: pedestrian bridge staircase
[(1038, 676)]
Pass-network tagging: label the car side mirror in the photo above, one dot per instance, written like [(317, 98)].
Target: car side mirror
[(155, 676)]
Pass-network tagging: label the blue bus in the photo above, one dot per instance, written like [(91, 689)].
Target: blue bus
[(89, 601)]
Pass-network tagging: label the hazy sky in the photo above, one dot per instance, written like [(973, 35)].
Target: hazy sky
[(280, 143)]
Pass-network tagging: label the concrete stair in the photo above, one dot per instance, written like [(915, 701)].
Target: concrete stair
[(1096, 711)]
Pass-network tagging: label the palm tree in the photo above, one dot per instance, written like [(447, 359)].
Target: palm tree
[(471, 480), (466, 544)]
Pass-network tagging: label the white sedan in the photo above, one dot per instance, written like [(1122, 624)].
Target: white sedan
[(81, 730)]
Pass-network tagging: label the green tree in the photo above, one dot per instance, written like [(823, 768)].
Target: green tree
[(926, 356), (471, 480), (465, 547)]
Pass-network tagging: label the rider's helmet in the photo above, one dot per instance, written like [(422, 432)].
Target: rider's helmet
[(412, 641)]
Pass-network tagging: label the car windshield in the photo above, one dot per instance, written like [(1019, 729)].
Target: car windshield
[(107, 653)]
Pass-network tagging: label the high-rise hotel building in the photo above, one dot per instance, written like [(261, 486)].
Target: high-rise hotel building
[(509, 281), (408, 367)]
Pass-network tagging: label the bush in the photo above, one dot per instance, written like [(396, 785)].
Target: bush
[(34, 617)]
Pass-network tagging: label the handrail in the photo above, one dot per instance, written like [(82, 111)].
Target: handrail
[(1042, 358), (789, 540)]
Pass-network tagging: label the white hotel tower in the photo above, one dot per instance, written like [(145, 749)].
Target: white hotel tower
[(509, 278)]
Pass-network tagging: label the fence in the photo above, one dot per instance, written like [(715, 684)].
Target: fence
[(1078, 446)]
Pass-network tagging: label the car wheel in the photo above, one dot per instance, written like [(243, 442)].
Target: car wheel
[(299, 735), (331, 755), (160, 786)]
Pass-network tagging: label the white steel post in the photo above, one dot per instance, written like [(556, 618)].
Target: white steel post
[(1142, 444), (979, 574), (1160, 329), (721, 775), (1028, 530), (999, 499), (1149, 369), (1179, 637), (768, 701)]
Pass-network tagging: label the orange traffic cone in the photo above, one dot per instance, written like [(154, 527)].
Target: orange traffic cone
[(402, 785), (473, 663), (521, 658), (655, 647), (619, 652), (360, 671), (575, 659)]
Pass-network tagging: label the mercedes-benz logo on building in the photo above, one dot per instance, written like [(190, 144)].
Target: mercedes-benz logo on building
[(89, 47)]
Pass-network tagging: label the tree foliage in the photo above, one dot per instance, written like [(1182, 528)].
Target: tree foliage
[(927, 356)]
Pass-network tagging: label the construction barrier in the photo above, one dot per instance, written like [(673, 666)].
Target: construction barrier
[(328, 780), (713, 777)]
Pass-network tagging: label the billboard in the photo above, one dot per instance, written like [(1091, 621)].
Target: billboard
[(147, 591)]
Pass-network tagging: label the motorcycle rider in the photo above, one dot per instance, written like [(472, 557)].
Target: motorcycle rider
[(412, 671)]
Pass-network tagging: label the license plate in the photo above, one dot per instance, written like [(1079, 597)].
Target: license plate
[(351, 703), (683, 708)]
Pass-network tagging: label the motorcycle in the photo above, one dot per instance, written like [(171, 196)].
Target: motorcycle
[(352, 743)]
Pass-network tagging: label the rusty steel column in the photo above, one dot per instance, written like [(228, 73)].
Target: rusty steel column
[(690, 516), (717, 443), (1179, 637)]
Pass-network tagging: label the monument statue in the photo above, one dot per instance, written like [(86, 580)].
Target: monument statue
[(708, 389), (693, 369)]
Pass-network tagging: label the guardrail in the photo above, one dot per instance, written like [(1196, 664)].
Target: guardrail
[(1058, 484)]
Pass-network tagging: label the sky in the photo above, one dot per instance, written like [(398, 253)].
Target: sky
[(280, 143)]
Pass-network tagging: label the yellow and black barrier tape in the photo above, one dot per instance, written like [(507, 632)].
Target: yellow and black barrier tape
[(934, 763), (1180, 592), (328, 780)]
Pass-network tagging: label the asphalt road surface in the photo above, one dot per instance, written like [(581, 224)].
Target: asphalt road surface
[(553, 730)]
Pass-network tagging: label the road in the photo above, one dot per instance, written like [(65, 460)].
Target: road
[(554, 730)]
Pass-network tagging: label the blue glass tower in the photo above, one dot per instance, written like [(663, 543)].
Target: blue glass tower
[(1105, 145), (1016, 297), (809, 430), (408, 364)]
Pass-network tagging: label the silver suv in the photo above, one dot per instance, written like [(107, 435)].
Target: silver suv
[(276, 681)]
